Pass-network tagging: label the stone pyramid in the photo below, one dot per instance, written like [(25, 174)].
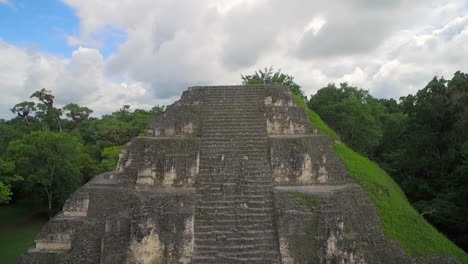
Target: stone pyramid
[(229, 174)]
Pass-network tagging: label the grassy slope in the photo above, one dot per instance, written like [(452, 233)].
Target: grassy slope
[(18, 228), (400, 221)]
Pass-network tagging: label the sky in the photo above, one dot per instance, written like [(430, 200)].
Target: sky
[(104, 54)]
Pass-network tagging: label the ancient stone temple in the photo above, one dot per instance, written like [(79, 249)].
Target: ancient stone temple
[(229, 174)]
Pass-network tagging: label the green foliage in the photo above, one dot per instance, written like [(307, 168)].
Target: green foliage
[(23, 110), (110, 157), (400, 221), (353, 112), (94, 144), (5, 193), (46, 111), (269, 76), (49, 163), (7, 177), (77, 113)]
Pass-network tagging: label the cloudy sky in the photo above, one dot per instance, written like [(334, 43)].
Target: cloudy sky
[(106, 53)]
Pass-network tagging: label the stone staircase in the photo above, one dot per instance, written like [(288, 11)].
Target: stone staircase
[(234, 217)]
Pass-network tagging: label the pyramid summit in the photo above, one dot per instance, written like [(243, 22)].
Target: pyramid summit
[(229, 174)]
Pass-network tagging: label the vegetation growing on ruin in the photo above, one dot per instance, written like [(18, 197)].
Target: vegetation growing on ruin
[(400, 221)]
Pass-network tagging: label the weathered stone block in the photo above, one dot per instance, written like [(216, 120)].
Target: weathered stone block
[(304, 160), (77, 204), (287, 121), (161, 162), (323, 226)]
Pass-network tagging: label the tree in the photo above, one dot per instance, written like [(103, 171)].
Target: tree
[(77, 113), (47, 111), (49, 163), (110, 158), (23, 110), (269, 76), (351, 112), (7, 177)]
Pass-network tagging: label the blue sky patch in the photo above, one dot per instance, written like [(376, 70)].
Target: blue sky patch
[(45, 25), (40, 24)]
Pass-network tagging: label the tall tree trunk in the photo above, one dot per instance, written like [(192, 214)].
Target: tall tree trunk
[(59, 123), (27, 121)]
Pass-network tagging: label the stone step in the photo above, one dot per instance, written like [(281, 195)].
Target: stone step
[(254, 251), (240, 122), (245, 234), (237, 105), (233, 248), (233, 132), (227, 154), (214, 109), (221, 186), (235, 145), (236, 91), (229, 142), (259, 140), (232, 223), (240, 197), (238, 176), (234, 172), (217, 260), (220, 92), (215, 159), (254, 169), (235, 116), (235, 128), (234, 195), (230, 98), (267, 184), (265, 208), (234, 179), (226, 203), (233, 238)]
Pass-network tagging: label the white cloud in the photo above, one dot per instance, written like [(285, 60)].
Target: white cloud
[(6, 2), (80, 79), (390, 47), (315, 25)]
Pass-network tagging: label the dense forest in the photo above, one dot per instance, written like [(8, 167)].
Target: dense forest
[(47, 152), (421, 140)]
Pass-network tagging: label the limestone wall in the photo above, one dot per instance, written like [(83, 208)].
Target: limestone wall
[(305, 160), (283, 117), (161, 162), (323, 226)]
